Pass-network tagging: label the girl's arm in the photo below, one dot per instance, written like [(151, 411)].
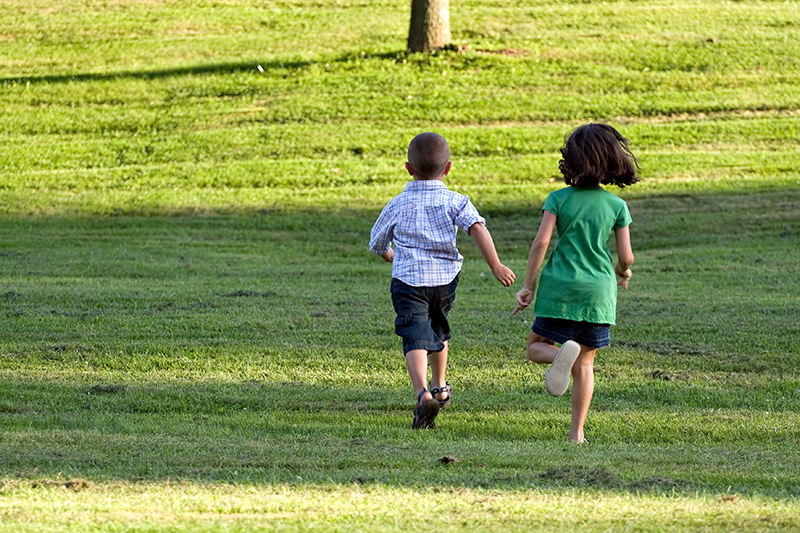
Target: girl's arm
[(535, 260), (624, 255)]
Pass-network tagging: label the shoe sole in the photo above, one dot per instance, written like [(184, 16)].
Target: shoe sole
[(427, 415), (556, 379)]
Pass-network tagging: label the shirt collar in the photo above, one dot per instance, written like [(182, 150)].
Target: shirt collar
[(425, 185)]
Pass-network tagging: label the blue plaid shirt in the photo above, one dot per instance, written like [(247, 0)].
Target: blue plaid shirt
[(422, 221)]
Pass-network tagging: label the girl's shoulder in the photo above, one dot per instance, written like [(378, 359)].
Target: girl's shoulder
[(575, 199)]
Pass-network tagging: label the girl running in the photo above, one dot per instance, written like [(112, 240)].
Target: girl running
[(577, 294)]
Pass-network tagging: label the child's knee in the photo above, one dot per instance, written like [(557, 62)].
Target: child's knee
[(535, 337)]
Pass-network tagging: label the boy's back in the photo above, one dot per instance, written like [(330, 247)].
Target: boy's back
[(422, 221)]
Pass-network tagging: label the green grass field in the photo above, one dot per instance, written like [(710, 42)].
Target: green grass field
[(195, 337)]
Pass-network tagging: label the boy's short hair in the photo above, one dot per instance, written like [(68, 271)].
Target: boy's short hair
[(428, 154), (595, 154)]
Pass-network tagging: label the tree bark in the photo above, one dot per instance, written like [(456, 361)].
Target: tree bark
[(430, 25)]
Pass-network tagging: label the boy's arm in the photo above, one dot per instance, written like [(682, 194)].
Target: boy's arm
[(535, 260), (485, 244), (381, 236), (624, 255)]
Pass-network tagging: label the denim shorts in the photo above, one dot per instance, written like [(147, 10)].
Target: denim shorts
[(422, 314), (561, 330)]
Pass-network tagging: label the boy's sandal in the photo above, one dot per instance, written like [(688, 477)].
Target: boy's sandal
[(446, 389), (425, 413)]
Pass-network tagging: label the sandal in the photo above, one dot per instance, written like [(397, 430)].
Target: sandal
[(446, 389), (556, 379), (425, 413)]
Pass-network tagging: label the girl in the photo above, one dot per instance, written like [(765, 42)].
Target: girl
[(576, 300)]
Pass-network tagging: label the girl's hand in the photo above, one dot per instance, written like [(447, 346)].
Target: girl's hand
[(524, 299), (625, 277)]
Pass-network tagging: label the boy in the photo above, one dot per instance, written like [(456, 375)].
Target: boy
[(422, 222)]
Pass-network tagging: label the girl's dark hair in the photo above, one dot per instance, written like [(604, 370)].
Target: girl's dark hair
[(595, 154)]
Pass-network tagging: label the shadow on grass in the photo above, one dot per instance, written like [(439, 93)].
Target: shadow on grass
[(198, 70), (295, 433)]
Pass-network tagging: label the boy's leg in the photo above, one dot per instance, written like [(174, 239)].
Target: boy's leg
[(540, 349), (417, 363), (427, 406), (438, 362), (582, 391)]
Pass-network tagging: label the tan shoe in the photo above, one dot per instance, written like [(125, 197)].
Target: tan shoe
[(556, 379)]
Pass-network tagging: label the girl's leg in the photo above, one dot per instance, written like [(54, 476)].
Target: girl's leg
[(417, 363), (438, 369), (540, 349), (582, 391)]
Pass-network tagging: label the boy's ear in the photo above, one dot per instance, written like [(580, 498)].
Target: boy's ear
[(447, 168), (409, 168)]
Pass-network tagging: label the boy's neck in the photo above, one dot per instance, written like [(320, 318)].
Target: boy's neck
[(438, 178)]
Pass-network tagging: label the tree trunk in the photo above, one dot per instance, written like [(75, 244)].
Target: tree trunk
[(430, 25)]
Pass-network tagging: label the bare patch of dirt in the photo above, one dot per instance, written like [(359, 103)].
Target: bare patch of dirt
[(508, 52), (76, 485), (106, 389), (595, 477), (248, 294)]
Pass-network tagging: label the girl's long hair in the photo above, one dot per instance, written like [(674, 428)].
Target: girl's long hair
[(595, 154)]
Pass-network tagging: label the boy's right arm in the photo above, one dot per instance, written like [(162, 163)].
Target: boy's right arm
[(381, 236)]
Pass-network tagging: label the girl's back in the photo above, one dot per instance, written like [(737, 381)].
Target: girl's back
[(578, 281)]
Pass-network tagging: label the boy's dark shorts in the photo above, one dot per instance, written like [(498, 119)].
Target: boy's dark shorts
[(422, 314), (561, 330)]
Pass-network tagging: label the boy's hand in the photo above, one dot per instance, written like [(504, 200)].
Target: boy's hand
[(524, 299), (625, 276), (504, 275), (388, 257)]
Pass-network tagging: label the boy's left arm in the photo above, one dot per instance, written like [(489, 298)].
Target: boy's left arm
[(483, 239)]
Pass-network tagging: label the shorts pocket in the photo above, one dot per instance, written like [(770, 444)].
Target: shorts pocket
[(403, 320)]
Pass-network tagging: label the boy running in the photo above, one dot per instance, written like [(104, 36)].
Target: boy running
[(422, 221)]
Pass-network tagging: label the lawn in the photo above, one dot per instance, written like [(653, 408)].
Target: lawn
[(196, 338)]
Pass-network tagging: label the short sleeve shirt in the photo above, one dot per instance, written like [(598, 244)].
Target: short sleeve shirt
[(578, 280), (422, 221)]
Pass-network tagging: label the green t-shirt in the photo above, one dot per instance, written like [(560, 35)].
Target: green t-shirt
[(578, 280)]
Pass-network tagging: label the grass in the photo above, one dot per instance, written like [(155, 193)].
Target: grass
[(251, 359), (151, 107), (195, 337)]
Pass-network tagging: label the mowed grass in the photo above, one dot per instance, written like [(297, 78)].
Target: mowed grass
[(251, 360), (152, 107), (196, 338)]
